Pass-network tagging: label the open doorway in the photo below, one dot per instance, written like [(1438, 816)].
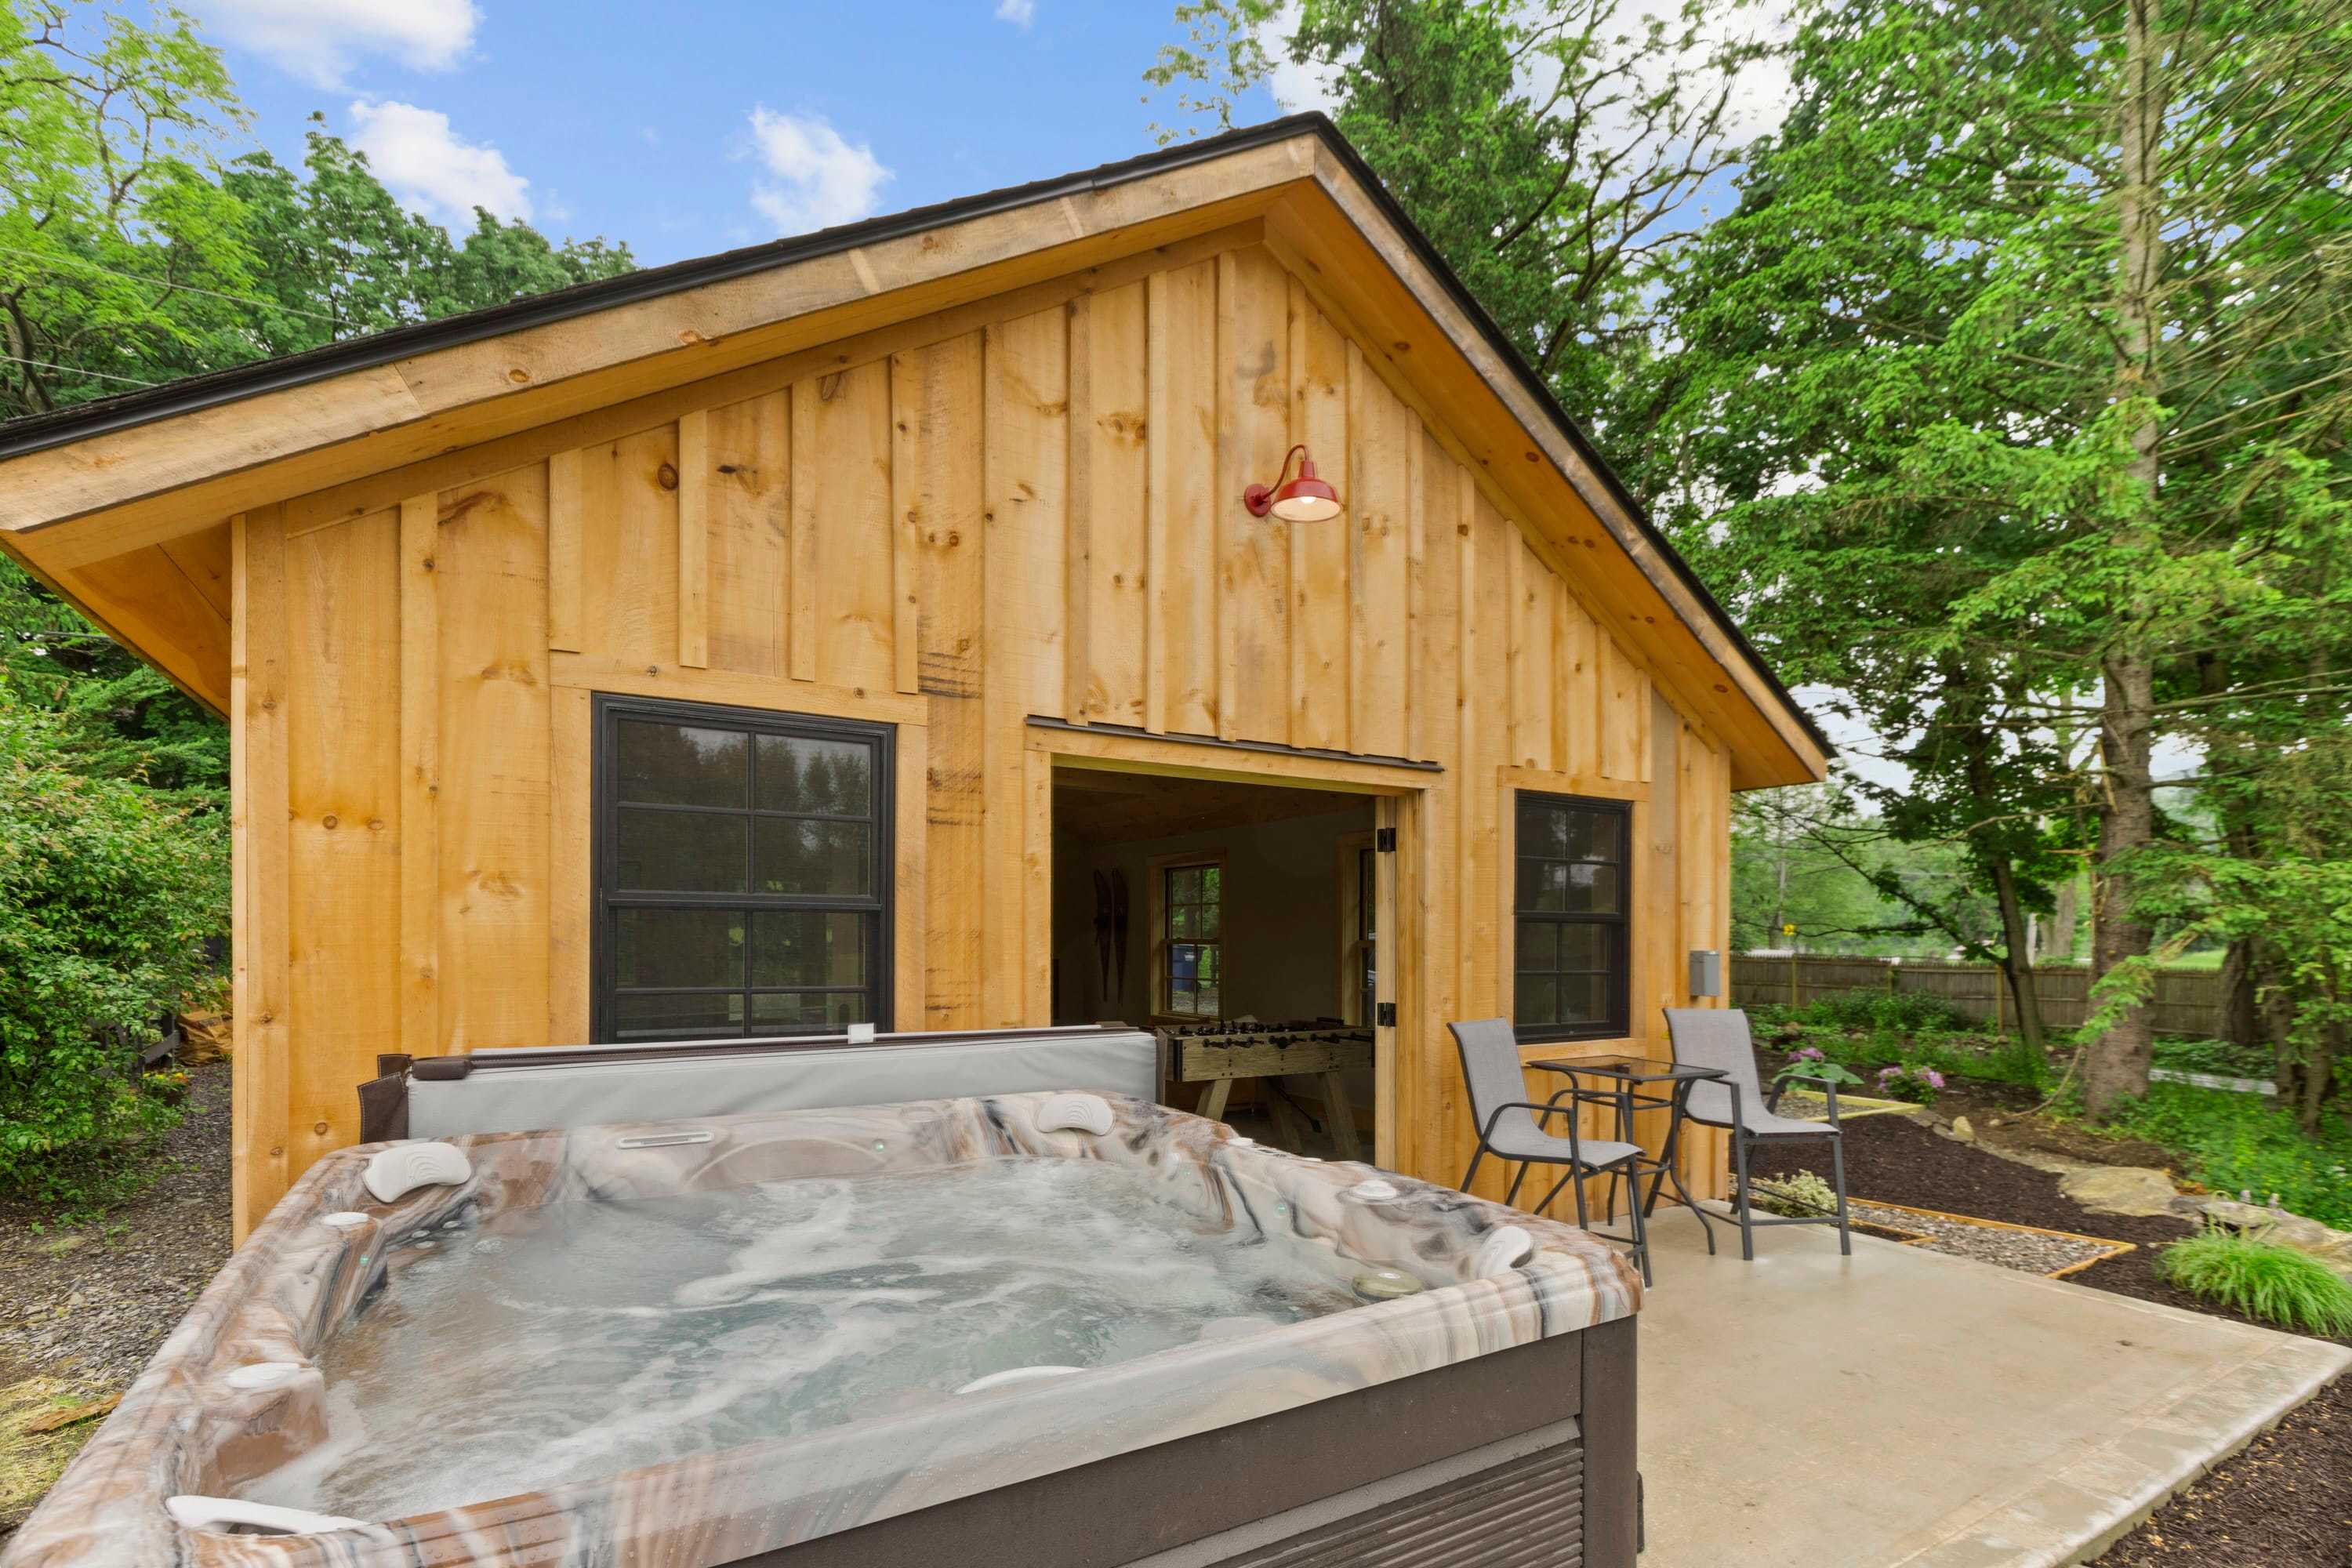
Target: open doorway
[(1239, 921)]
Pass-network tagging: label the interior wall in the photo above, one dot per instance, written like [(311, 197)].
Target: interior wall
[(1281, 917), (947, 533)]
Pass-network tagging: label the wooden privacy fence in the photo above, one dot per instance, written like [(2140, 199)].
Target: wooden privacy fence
[(2186, 1001)]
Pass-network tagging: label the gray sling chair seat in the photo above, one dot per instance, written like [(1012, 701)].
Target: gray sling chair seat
[(1719, 1038), (1511, 1128)]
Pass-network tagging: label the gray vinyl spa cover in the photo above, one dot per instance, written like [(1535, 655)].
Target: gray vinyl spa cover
[(585, 1086)]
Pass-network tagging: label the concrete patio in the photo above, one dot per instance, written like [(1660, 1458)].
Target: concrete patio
[(1903, 1407)]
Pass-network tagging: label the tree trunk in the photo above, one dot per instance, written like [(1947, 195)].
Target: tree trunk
[(2240, 1023), (2058, 927), (2116, 1063), (2017, 955)]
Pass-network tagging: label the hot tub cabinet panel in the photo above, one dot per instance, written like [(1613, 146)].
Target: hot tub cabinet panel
[(1401, 1473), (1485, 1419)]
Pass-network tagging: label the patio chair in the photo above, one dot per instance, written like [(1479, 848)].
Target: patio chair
[(1719, 1038), (1510, 1127)]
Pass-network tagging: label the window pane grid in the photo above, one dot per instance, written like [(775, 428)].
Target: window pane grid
[(741, 874), (1571, 959)]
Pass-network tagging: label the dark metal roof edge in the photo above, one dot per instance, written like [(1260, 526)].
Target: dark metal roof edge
[(109, 414)]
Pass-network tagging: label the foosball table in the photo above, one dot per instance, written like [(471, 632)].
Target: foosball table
[(1222, 1052)]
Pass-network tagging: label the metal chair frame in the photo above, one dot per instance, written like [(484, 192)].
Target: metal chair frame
[(1577, 1164), (1742, 1140)]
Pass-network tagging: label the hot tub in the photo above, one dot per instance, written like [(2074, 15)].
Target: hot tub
[(879, 1335)]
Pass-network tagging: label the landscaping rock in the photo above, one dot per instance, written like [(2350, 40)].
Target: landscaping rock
[(2120, 1189), (2333, 1248)]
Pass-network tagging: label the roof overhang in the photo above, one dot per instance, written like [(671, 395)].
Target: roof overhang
[(119, 504)]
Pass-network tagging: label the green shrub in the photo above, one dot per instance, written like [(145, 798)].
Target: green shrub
[(2214, 1056), (1892, 1012), (2278, 1284), (108, 893), (2246, 1144)]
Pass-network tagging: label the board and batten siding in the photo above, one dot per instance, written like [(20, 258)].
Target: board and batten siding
[(949, 526)]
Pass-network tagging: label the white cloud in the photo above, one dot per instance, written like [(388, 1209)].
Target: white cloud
[(820, 180), (1295, 88), (417, 154), (322, 40), (1020, 13)]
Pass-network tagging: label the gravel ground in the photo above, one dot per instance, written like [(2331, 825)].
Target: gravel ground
[(91, 1303), (2285, 1502), (2027, 1251)]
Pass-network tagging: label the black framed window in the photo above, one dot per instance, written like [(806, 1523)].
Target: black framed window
[(742, 872), (1571, 941)]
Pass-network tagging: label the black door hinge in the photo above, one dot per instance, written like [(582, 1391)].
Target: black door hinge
[(1384, 1014), (1384, 840)]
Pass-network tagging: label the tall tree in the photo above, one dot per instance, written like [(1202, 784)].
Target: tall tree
[(2025, 361)]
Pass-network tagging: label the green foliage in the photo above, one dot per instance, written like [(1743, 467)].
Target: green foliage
[(130, 255), (1548, 151), (1810, 1065), (1899, 1012), (2219, 1056), (2015, 439), (107, 895), (2262, 1279), (2244, 1143), (1799, 1197), (116, 717), (1871, 1030)]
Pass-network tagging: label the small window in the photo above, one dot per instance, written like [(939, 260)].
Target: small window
[(1572, 938), (743, 881), (1190, 938)]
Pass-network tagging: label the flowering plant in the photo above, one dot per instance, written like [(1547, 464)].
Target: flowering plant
[(1905, 1081), (1813, 1062)]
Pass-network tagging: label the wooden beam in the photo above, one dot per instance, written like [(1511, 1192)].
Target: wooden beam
[(694, 538), (261, 705), (681, 684), (563, 525), (420, 777)]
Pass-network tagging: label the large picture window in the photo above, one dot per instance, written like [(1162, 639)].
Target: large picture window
[(1570, 942), (742, 872)]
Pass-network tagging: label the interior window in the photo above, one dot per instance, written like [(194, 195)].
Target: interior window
[(1192, 914), (1571, 939), (742, 882)]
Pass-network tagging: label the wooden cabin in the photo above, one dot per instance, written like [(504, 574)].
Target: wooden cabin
[(915, 555)]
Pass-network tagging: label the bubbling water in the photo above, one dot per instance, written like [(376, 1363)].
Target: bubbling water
[(575, 1341)]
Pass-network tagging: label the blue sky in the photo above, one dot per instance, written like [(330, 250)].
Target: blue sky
[(686, 129)]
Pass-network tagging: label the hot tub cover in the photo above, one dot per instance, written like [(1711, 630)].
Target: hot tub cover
[(185, 1429)]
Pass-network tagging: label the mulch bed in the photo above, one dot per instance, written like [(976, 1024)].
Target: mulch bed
[(92, 1302), (2285, 1502)]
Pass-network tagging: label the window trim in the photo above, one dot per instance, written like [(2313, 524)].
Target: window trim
[(1158, 868), (604, 810), (1618, 1024)]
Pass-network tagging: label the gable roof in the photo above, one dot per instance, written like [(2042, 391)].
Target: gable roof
[(88, 487)]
